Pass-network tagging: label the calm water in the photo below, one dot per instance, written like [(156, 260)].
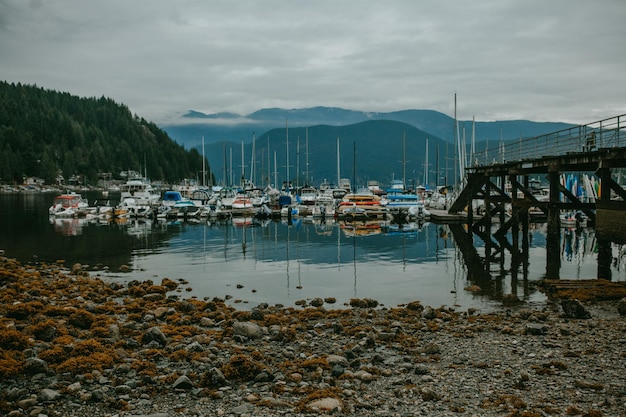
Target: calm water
[(281, 263)]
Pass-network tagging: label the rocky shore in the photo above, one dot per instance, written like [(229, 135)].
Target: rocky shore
[(72, 344)]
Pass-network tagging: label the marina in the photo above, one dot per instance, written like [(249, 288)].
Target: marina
[(487, 243)]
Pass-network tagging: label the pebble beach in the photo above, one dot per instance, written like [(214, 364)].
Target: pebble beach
[(74, 344)]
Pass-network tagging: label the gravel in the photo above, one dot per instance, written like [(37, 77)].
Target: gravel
[(75, 345)]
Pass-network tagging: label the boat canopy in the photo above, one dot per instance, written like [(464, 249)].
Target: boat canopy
[(172, 196)]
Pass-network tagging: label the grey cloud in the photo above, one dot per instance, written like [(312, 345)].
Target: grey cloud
[(537, 60)]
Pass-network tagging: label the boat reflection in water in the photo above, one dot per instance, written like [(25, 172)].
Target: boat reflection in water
[(68, 226), (255, 261), (362, 228)]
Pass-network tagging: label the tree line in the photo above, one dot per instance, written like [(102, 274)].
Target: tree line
[(44, 133)]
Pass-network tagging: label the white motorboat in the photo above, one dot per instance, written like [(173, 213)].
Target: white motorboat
[(68, 205)]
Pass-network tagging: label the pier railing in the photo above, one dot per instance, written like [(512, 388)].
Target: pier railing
[(607, 133)]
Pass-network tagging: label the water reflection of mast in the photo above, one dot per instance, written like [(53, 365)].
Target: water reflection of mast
[(338, 246), (253, 234), (204, 226), (403, 252), (298, 257), (287, 255), (354, 258), (244, 243), (226, 243)]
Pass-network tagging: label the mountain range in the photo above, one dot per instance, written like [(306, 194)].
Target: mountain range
[(300, 145), (218, 127)]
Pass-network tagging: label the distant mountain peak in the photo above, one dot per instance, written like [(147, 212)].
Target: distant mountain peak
[(193, 114)]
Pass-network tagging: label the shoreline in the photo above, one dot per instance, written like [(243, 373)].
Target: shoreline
[(75, 345)]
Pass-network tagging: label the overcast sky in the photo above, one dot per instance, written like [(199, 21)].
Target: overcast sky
[(542, 60)]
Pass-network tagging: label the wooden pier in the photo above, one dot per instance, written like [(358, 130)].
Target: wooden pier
[(500, 180)]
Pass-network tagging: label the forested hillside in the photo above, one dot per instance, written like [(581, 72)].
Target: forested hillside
[(373, 150), (45, 133)]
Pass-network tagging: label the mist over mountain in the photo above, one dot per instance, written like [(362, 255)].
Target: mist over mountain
[(218, 127)]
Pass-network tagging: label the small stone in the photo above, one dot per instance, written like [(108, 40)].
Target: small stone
[(243, 409), (160, 312), (207, 322), (264, 377), (432, 348), (337, 371), (48, 394), (336, 360), (123, 389), (428, 313), (295, 377), (34, 366), (536, 329), (27, 403), (72, 388), (215, 378), (429, 394), (364, 376), (194, 347), (473, 288), (317, 302), (325, 404), (511, 300)]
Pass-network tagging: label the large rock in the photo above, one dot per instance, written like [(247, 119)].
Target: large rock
[(247, 329), (214, 378), (35, 366), (154, 334), (575, 310), (183, 382), (621, 307)]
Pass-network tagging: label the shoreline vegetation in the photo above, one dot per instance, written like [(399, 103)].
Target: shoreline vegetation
[(73, 344)]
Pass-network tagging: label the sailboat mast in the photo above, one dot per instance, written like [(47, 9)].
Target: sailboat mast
[(225, 164), (338, 164), (473, 145), (403, 159), (463, 154), (456, 142), (203, 165), (252, 159), (269, 164), (354, 187), (426, 166), (298, 161), (243, 169), (287, 136), (307, 154), (275, 170), (437, 169)]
